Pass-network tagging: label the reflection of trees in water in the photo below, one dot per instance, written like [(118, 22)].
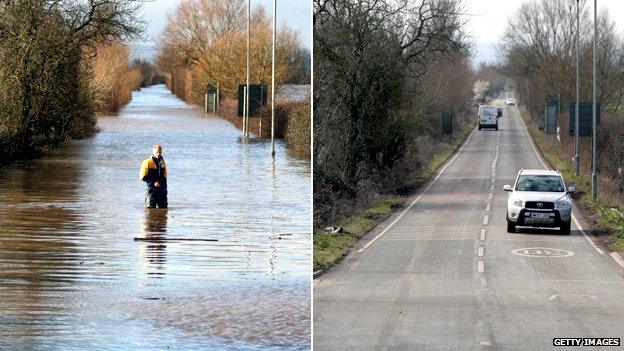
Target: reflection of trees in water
[(40, 232), (154, 226)]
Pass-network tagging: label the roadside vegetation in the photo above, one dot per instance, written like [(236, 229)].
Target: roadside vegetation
[(204, 42), (51, 82), (539, 55), (384, 72), (112, 81)]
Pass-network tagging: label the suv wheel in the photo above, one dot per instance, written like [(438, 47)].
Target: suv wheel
[(511, 226), (565, 228)]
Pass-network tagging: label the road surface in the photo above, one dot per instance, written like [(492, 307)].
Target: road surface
[(447, 276)]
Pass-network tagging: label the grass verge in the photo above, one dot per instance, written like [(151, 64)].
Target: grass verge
[(606, 216), (329, 248)]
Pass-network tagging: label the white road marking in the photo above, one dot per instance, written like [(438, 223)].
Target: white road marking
[(488, 206), (483, 282), (542, 252), (539, 157), (486, 219), (480, 251), (482, 234), (552, 297), (490, 196), (578, 225), (480, 266), (419, 196), (485, 343)]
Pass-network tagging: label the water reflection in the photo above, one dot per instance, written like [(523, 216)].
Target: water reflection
[(235, 242), (153, 239)]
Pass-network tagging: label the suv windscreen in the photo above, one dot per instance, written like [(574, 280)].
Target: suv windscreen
[(546, 183)]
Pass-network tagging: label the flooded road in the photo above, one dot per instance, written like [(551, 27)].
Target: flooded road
[(83, 265)]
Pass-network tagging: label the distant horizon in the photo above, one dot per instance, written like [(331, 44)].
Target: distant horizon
[(484, 52)]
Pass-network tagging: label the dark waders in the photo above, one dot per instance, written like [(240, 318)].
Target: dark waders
[(156, 197)]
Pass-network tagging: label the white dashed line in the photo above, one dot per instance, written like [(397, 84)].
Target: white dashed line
[(486, 219), (482, 234), (552, 297), (480, 251), (488, 206), (480, 266)]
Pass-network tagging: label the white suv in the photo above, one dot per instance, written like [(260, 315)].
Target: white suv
[(539, 198), (510, 102)]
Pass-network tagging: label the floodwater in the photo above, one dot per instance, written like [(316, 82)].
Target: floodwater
[(227, 266)]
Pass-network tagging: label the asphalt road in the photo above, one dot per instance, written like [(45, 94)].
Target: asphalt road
[(445, 275)]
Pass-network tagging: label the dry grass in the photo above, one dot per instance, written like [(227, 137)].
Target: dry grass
[(113, 82)]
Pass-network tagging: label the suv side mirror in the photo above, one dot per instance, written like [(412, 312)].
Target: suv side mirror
[(571, 190), (507, 187)]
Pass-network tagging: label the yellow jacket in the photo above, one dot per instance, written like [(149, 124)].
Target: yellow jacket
[(150, 171)]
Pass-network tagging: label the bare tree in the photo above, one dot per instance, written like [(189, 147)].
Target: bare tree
[(539, 50), (46, 47), (195, 52), (371, 59)]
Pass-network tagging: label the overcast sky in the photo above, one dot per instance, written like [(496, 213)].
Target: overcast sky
[(488, 19), (295, 13)]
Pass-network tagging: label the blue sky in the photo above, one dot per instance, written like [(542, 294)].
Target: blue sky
[(295, 13)]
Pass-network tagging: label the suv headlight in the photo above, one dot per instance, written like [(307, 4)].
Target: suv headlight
[(517, 203), (562, 204)]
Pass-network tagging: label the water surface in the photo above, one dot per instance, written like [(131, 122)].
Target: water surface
[(227, 266)]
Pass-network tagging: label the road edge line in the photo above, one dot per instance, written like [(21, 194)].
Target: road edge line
[(618, 259)]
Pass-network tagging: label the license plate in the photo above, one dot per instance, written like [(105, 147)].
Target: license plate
[(540, 215)]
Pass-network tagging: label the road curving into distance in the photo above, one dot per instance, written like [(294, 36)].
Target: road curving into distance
[(445, 274)]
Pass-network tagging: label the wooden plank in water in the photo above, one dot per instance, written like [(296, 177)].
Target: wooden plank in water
[(163, 240)]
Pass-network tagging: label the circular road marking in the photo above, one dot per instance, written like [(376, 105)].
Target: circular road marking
[(542, 252)]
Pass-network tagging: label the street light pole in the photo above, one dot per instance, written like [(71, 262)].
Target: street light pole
[(576, 107), (273, 84), (246, 96), (594, 141)]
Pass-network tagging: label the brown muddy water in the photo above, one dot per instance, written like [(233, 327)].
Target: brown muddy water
[(72, 277)]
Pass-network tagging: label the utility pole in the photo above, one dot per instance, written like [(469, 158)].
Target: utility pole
[(594, 188), (246, 95), (273, 84), (576, 108)]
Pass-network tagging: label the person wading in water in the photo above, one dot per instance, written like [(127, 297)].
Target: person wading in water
[(154, 173)]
